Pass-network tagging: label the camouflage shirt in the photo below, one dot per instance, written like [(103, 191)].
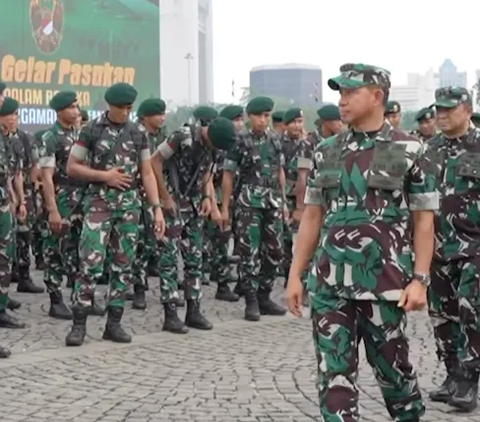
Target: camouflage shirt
[(298, 155), (457, 223), (367, 185), (11, 164), (112, 145), (259, 158), (183, 153), (418, 135), (315, 138)]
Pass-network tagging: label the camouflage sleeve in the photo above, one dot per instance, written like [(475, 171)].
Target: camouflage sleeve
[(145, 148), (83, 145), (16, 158), (233, 158), (314, 194), (304, 155), (172, 144), (423, 193), (47, 150)]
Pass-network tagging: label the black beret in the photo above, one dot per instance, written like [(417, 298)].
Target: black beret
[(329, 112), (151, 107), (205, 113), (260, 105), (120, 94), (222, 133), (291, 114), (393, 107), (9, 106), (232, 112), (63, 99)]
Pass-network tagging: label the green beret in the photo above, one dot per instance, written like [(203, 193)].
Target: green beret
[(291, 114), (260, 105), (425, 114), (277, 116), (85, 116), (9, 106), (358, 75), (63, 99), (329, 112), (232, 112), (475, 117), (393, 107), (38, 135), (3, 86), (205, 113), (222, 133), (452, 96), (120, 94), (151, 107)]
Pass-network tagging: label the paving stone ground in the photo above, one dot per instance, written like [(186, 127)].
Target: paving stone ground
[(239, 372)]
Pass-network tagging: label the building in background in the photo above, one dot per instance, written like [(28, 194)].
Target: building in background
[(418, 92), (448, 75), (186, 51), (299, 83)]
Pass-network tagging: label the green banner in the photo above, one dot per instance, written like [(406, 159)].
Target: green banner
[(82, 45)]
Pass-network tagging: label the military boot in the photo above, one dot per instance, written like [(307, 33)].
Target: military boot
[(267, 306), (58, 309), (238, 289), (173, 323), (446, 390), (205, 280), (464, 397), (139, 297), (113, 330), (224, 293), (79, 329), (13, 304), (39, 263), (179, 302), (96, 309), (252, 311), (194, 318), (14, 276), (4, 352), (25, 283), (8, 321)]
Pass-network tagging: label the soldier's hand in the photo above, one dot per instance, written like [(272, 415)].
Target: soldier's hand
[(297, 215), (414, 297), (22, 213), (55, 222), (286, 213), (216, 217), (118, 179), (169, 205), (159, 223), (294, 295), (206, 207)]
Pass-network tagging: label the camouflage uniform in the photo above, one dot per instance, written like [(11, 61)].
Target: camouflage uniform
[(38, 216), (259, 216), (367, 185)]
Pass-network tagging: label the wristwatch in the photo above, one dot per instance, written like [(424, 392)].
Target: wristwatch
[(425, 279), (156, 206)]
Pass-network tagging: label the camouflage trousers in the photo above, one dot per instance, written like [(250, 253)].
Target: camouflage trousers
[(61, 254), (338, 327), (24, 233), (37, 227), (260, 245), (454, 309), (146, 247), (168, 260), (218, 241), (7, 251), (117, 229)]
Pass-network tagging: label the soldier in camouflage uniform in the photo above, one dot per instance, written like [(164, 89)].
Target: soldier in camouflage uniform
[(12, 201), (21, 270), (277, 122), (427, 127), (328, 124), (393, 113), (118, 150), (476, 119), (298, 153), (261, 207), (183, 165), (63, 199), (151, 115), (454, 295), (366, 188)]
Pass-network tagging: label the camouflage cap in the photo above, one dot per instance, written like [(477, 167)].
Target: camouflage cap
[(393, 107), (358, 75), (425, 114), (452, 96)]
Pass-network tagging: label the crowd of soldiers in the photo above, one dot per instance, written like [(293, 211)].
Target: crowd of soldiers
[(374, 217)]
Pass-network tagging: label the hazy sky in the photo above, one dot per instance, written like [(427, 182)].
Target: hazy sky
[(402, 36)]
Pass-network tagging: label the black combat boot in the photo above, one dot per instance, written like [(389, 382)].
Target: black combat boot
[(96, 309), (14, 276), (267, 306), (58, 309), (464, 397), (25, 283), (252, 311), (224, 293), (39, 263), (113, 330), (13, 304), (172, 322), (79, 329), (238, 289), (139, 297), (4, 352), (205, 280), (179, 302), (446, 390), (195, 318), (8, 321)]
